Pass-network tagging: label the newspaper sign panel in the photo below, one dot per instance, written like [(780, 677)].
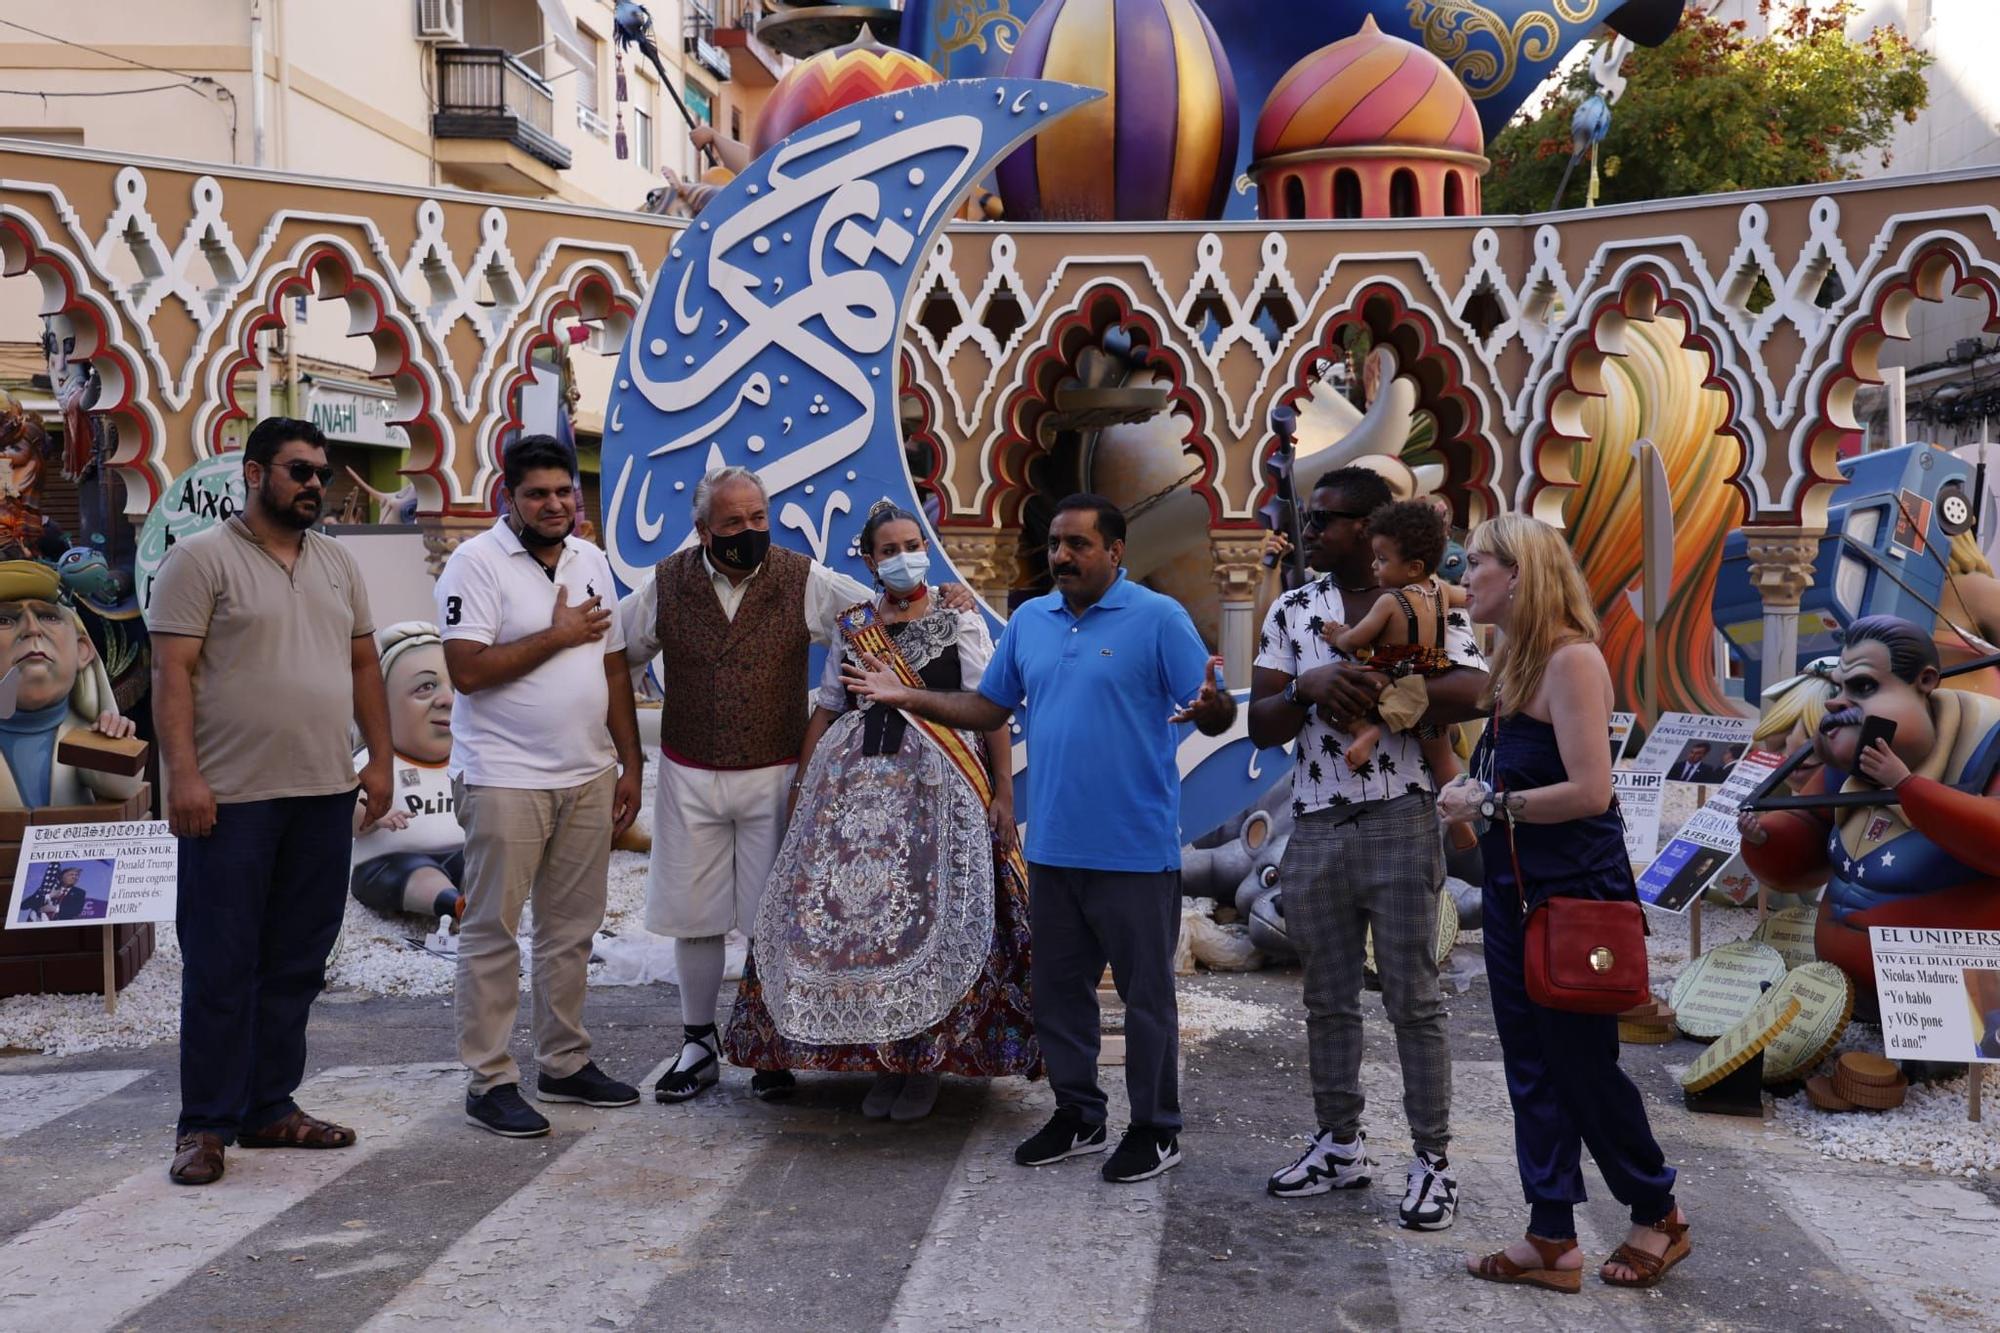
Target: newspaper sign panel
[(1940, 992), (1703, 847), (94, 874), (1696, 747), (1639, 797)]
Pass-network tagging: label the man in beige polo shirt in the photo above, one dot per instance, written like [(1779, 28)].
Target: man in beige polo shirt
[(262, 651)]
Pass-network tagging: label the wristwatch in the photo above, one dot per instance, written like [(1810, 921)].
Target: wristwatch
[(1489, 802), (1292, 693)]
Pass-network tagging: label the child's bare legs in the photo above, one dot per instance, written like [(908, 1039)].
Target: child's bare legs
[(1367, 735)]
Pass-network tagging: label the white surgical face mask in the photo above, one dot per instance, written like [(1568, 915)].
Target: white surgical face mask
[(905, 571)]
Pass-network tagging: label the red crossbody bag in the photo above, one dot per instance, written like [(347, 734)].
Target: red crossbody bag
[(1581, 955)]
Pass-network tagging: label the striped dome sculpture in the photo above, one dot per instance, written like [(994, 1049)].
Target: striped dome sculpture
[(834, 79), (1160, 145), (1368, 127)]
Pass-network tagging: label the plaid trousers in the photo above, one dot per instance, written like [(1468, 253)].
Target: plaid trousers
[(1379, 864)]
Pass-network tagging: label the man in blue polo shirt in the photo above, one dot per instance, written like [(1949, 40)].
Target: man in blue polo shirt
[(1106, 669)]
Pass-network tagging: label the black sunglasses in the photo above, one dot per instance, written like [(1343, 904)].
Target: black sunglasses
[(301, 472), (1315, 519)]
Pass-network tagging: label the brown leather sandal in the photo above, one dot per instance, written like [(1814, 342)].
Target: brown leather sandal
[(197, 1160), (298, 1130), (1651, 1268), (1497, 1267)]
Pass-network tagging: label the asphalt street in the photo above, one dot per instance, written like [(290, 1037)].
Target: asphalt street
[(728, 1213)]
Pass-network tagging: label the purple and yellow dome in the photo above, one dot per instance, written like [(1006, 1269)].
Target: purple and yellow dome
[(1370, 90), (834, 79), (1162, 142)]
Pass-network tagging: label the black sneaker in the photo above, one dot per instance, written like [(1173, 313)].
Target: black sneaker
[(502, 1111), (1142, 1154), (1066, 1135), (773, 1085), (589, 1085)]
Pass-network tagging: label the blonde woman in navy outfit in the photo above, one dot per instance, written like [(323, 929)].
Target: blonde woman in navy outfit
[(1544, 774)]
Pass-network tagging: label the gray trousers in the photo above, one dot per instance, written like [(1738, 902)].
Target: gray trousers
[(1080, 920), (1379, 865)]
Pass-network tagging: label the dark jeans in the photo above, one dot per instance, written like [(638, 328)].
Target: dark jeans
[(261, 899), (1568, 1094), (1080, 920)]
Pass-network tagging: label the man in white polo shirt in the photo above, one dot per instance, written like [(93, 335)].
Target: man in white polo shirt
[(545, 767)]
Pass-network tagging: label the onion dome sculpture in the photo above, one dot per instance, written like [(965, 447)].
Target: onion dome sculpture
[(1162, 142), (834, 79), (1368, 127)]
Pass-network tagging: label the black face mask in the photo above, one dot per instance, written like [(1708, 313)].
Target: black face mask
[(744, 550)]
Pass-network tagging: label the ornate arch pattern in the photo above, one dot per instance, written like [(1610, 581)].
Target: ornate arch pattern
[(921, 427), (1637, 294), (330, 269), (1428, 356), (1933, 267), (590, 293), (82, 311), (1097, 309), (1645, 361)]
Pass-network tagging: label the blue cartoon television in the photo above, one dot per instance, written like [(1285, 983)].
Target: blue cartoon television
[(1885, 552)]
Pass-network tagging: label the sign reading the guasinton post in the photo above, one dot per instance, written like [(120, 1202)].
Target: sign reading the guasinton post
[(94, 874), (1940, 992)]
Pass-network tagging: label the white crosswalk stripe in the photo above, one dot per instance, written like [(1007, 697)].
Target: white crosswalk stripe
[(621, 1203), (631, 1193), (146, 1234), (1090, 1249), (29, 1101)]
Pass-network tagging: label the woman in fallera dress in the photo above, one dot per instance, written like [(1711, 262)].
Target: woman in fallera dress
[(893, 936)]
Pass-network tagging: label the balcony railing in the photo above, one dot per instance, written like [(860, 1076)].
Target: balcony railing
[(751, 62), (698, 39), (485, 93)]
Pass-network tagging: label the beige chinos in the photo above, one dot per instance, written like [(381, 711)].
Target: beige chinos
[(552, 848)]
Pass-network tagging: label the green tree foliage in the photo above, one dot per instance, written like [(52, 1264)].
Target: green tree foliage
[(1715, 109)]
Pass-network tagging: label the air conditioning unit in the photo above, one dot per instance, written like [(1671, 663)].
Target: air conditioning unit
[(441, 21)]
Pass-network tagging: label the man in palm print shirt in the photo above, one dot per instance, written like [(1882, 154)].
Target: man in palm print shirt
[(1366, 853)]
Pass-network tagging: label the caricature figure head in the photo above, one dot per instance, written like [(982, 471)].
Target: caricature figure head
[(1888, 669), (420, 692)]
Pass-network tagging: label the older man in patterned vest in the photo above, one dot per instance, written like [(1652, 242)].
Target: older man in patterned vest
[(732, 620)]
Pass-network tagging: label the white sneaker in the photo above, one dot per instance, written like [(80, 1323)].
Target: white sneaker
[(1430, 1197), (1325, 1165)]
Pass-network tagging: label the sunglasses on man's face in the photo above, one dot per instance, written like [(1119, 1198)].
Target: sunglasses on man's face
[(301, 472), (1316, 519)]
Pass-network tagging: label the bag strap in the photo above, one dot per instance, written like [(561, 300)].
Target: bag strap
[(1514, 853)]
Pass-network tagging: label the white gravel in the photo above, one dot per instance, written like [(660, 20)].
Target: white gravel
[(1206, 1015)]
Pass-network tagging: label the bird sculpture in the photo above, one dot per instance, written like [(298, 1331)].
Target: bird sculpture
[(632, 25), (1587, 129)]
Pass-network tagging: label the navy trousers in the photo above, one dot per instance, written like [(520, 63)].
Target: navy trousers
[(260, 902), (1568, 1094), (1080, 920)]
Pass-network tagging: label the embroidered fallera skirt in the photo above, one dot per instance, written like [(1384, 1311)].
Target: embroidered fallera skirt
[(890, 938)]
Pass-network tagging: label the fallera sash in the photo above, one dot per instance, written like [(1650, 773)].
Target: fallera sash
[(863, 630)]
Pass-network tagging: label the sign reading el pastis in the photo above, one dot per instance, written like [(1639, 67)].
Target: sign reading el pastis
[(94, 874), (1940, 992)]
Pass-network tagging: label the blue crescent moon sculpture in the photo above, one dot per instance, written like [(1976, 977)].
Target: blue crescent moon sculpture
[(769, 339)]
